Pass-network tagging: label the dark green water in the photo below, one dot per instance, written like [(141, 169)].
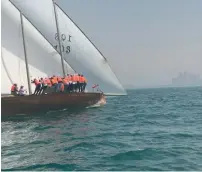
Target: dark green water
[(150, 129)]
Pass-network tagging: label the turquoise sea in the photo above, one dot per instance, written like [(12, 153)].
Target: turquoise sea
[(149, 129)]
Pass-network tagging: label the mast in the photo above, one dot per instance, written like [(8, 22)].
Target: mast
[(59, 40), (25, 52)]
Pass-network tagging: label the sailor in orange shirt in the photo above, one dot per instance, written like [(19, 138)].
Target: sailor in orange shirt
[(59, 85), (74, 82), (71, 83), (84, 84), (54, 82), (48, 81), (66, 84), (77, 82), (44, 85), (38, 86), (80, 83), (14, 89), (62, 87)]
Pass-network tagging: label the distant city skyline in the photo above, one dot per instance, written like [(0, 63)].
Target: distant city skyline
[(147, 43), (187, 79)]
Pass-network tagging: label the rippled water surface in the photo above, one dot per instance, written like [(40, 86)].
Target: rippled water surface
[(150, 129)]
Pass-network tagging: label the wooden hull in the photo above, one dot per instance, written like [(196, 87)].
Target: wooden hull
[(44, 103)]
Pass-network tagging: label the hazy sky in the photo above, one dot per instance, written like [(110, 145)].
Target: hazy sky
[(147, 42)]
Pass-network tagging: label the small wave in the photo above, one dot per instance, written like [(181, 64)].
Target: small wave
[(185, 135), (80, 145), (49, 166), (135, 155), (40, 142), (112, 144), (95, 106)]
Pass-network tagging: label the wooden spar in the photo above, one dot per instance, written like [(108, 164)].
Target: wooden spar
[(59, 40), (25, 53)]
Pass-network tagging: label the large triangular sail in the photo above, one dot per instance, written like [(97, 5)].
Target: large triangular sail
[(78, 50), (12, 54), (43, 59)]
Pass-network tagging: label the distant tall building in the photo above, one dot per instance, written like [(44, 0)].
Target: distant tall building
[(187, 79)]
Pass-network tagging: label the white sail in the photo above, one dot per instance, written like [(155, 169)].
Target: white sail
[(41, 54), (43, 59), (12, 54), (83, 56)]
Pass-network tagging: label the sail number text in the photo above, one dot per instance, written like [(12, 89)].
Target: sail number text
[(63, 39), (64, 49)]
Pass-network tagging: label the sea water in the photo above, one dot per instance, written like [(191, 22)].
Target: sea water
[(149, 129)]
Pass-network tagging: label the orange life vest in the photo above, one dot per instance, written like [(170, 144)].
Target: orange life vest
[(62, 87), (36, 82), (67, 78), (77, 78), (13, 88), (54, 80), (74, 78), (48, 82), (85, 80), (81, 79), (65, 81), (70, 78), (59, 79)]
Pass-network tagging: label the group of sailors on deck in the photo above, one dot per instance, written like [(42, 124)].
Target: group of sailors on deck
[(69, 83)]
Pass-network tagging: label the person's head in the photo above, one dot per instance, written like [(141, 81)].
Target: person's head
[(21, 87)]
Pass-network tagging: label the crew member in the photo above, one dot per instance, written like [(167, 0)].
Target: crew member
[(66, 84), (70, 83), (59, 85), (84, 80), (14, 89), (81, 81), (38, 86), (54, 82), (21, 91), (74, 81), (43, 86)]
